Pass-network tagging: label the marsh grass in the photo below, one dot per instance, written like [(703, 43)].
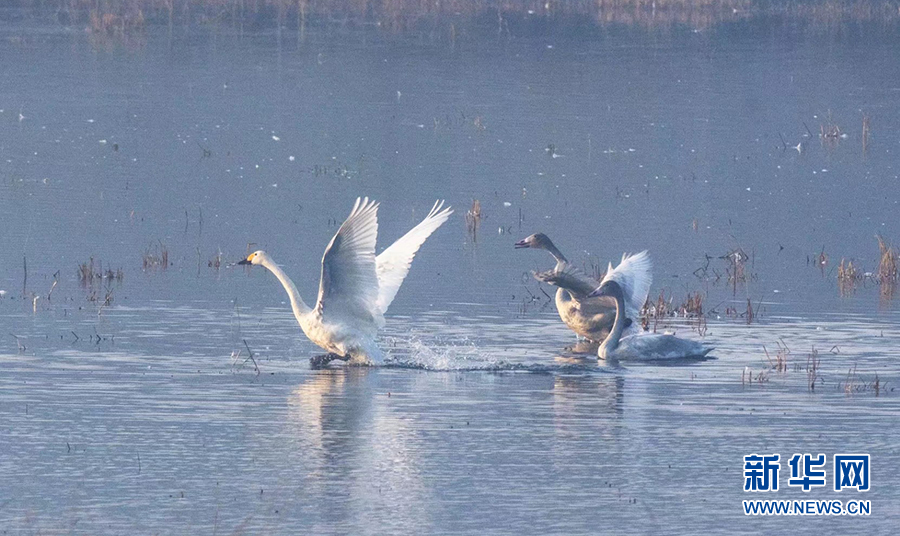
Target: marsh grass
[(819, 260), (812, 370), (215, 262), (780, 362), (156, 257), (886, 274), (92, 272), (829, 132), (848, 276), (887, 263), (736, 267), (865, 134), (655, 313), (115, 23), (473, 219), (455, 19), (748, 378), (854, 383)]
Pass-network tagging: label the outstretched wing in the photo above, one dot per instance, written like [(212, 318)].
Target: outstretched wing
[(349, 286), (393, 263), (635, 275), (569, 278)]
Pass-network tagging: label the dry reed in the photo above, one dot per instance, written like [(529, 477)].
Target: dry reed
[(473, 219)]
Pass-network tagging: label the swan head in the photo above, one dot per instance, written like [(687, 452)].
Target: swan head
[(608, 288), (535, 241), (256, 258)]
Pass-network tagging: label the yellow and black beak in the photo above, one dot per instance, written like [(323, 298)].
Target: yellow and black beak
[(246, 261)]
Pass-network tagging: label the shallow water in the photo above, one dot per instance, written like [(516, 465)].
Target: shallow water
[(145, 415)]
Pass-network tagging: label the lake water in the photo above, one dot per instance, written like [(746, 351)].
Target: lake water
[(127, 404)]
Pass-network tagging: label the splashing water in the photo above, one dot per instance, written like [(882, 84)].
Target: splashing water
[(465, 357)]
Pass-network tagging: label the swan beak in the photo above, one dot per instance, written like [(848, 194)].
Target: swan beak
[(245, 262), (522, 244), (599, 291)]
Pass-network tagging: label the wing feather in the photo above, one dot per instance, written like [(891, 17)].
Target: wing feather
[(635, 275), (349, 286), (569, 278), (392, 265)]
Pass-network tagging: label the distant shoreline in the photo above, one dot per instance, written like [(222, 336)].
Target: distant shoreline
[(451, 18)]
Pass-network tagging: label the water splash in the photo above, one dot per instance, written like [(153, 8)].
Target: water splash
[(466, 357)]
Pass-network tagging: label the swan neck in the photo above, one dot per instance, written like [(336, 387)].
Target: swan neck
[(612, 340), (300, 308), (557, 254)]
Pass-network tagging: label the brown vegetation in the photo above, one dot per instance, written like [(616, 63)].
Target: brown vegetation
[(449, 17), (90, 272), (473, 219), (156, 257), (848, 277), (885, 275)]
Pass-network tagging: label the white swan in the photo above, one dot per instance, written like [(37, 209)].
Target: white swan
[(357, 287), (650, 346), (591, 318)]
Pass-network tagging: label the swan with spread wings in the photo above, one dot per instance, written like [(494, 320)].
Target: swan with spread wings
[(591, 318), (616, 284), (356, 287)]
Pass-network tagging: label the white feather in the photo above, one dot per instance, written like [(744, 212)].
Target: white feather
[(657, 346), (348, 290), (393, 263), (635, 275), (353, 293)]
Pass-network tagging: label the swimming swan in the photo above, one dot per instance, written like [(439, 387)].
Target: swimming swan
[(357, 287), (650, 346), (591, 318)]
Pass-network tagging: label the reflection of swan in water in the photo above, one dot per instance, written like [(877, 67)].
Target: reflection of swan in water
[(326, 402), (356, 287), (356, 447), (588, 406), (588, 317), (648, 346)]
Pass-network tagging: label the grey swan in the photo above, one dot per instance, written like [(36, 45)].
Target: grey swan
[(591, 317)]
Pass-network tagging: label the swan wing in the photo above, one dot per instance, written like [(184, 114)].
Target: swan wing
[(635, 275), (348, 289), (392, 264), (570, 278)]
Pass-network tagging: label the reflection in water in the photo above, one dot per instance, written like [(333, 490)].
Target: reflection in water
[(588, 406), (362, 455), (311, 409)]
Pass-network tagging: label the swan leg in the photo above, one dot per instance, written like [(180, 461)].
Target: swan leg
[(321, 361)]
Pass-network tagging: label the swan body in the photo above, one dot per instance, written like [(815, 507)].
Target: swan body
[(655, 346), (356, 287), (589, 317)]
